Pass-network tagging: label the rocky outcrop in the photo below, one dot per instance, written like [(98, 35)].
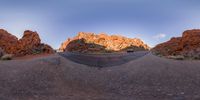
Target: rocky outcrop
[(171, 47), (7, 40), (1, 52), (90, 42), (29, 44), (188, 45), (80, 45)]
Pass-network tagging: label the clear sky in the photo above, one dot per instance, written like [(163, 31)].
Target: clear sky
[(154, 21)]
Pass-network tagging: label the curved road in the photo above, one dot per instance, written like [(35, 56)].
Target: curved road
[(103, 60)]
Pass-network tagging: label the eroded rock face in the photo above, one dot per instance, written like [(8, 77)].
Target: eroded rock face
[(171, 47), (190, 40), (188, 45), (7, 40), (80, 45), (31, 38), (90, 42), (1, 52), (29, 44)]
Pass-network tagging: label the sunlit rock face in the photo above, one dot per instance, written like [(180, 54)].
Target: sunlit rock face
[(188, 45), (29, 44), (7, 40), (91, 42)]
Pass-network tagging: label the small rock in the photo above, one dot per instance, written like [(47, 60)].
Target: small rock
[(182, 93), (158, 90), (169, 94)]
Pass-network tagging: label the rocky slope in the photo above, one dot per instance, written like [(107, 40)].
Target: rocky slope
[(91, 42), (29, 44), (7, 40), (1, 52), (188, 45)]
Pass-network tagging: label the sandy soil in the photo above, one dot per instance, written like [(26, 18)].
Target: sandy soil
[(57, 78)]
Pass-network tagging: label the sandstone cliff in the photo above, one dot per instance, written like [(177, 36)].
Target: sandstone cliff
[(91, 42), (188, 45)]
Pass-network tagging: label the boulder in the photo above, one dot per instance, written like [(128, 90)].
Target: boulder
[(45, 48)]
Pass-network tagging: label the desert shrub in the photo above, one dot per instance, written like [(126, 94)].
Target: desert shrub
[(7, 57), (196, 57), (156, 53), (36, 51), (177, 57)]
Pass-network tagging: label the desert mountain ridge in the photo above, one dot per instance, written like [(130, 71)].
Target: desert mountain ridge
[(91, 42)]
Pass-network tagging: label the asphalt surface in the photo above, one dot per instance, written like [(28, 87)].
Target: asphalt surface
[(103, 60)]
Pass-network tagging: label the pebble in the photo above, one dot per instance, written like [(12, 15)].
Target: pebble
[(169, 94), (182, 93), (158, 90)]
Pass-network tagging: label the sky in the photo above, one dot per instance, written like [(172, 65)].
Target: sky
[(153, 21)]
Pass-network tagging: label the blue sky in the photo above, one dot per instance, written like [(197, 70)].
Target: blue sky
[(154, 21)]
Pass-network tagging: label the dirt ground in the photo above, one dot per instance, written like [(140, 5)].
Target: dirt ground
[(54, 77)]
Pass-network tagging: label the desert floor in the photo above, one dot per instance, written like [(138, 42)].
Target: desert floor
[(55, 77)]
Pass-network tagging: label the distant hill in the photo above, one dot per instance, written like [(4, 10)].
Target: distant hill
[(91, 42)]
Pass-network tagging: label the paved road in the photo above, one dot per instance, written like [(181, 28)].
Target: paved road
[(103, 60)]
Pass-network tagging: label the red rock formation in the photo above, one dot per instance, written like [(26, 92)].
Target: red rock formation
[(1, 52), (187, 45), (29, 44), (171, 47), (7, 40), (90, 42), (80, 45)]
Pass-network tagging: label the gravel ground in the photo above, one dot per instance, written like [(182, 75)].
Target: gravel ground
[(56, 78)]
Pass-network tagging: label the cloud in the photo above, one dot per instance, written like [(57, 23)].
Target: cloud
[(159, 36)]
